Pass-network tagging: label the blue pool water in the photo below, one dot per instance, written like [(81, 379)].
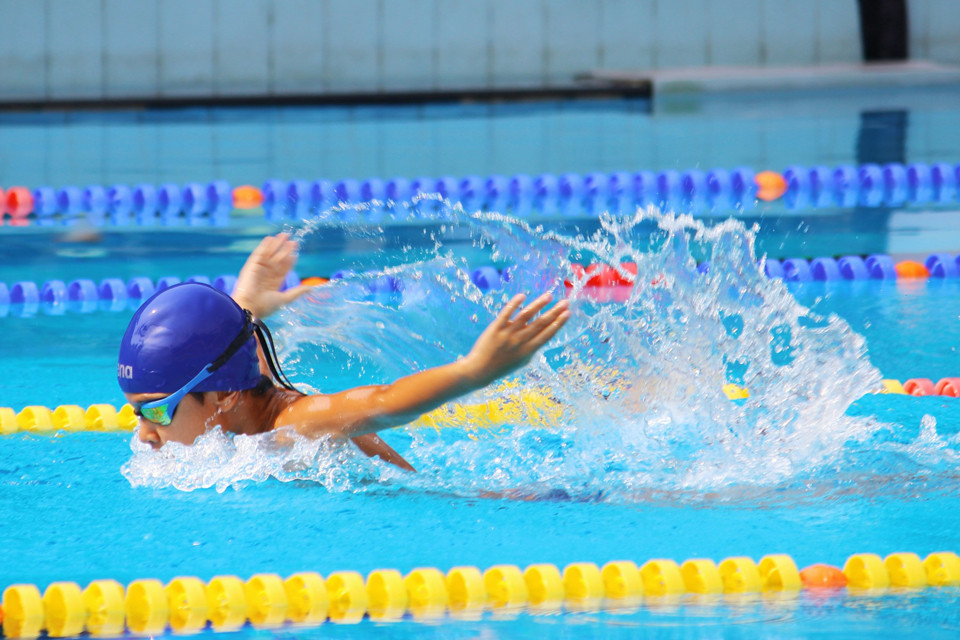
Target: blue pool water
[(654, 460)]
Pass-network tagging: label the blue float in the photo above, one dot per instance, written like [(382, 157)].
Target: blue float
[(853, 268), (645, 190), (398, 190), (53, 297), (797, 195), (120, 203), (471, 190), (919, 183), (486, 278), (497, 191), (693, 185), (944, 182), (881, 267), (299, 204), (669, 190), (83, 290), (570, 186), (825, 269), (70, 201), (845, 183), (169, 202), (373, 190), (24, 292), (894, 184), (545, 193), (719, 190), (942, 265), (194, 199), (140, 288), (274, 199), (202, 279), (870, 182), (797, 270), (821, 187), (520, 188), (348, 191), (744, 187), (24, 298), (96, 204), (44, 202), (323, 195), (772, 268), (54, 292), (145, 204), (220, 199)]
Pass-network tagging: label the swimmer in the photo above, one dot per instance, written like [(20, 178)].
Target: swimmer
[(193, 357)]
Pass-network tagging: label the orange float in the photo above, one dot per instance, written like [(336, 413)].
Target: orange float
[(247, 197), (770, 185), (822, 576), (920, 387), (948, 387), (314, 281), (911, 269)]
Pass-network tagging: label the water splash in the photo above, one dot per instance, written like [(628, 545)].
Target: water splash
[(640, 381)]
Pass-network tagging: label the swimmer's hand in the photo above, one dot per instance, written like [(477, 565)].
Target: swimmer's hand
[(511, 340), (258, 285)]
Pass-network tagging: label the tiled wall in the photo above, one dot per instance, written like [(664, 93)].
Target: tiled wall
[(251, 145), (89, 49)]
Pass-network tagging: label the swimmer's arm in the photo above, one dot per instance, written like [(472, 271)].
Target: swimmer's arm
[(372, 445), (260, 279), (506, 345)]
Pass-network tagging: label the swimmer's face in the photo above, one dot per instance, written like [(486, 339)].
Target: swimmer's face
[(189, 421)]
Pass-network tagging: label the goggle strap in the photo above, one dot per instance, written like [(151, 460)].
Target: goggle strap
[(270, 353), (234, 346)]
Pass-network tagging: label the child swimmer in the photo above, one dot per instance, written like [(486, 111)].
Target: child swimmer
[(193, 357)]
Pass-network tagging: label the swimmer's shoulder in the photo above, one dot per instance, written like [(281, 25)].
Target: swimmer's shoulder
[(306, 414)]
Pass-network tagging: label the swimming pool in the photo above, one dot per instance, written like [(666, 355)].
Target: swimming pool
[(637, 468)]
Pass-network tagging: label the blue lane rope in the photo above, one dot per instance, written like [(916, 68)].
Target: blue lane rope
[(56, 297), (694, 191)]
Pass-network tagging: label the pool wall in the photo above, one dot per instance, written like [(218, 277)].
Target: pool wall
[(111, 49)]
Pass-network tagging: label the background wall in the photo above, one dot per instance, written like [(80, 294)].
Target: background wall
[(96, 49)]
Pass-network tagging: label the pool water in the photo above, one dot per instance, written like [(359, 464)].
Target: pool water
[(649, 460), (819, 482)]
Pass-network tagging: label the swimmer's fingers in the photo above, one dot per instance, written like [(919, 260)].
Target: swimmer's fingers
[(532, 309), (538, 332), (503, 318), (289, 295)]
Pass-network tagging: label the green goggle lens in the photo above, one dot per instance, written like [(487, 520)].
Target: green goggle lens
[(158, 415)]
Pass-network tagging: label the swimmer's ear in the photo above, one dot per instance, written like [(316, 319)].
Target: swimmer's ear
[(227, 400)]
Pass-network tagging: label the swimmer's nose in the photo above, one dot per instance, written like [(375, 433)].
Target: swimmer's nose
[(148, 434)]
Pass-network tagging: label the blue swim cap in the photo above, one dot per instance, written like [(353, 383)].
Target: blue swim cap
[(179, 331)]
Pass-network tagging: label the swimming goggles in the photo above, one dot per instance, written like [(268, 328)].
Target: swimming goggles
[(161, 411)]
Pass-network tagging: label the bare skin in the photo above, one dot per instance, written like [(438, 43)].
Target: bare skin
[(505, 345)]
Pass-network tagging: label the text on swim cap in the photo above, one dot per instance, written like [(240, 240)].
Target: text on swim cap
[(125, 371)]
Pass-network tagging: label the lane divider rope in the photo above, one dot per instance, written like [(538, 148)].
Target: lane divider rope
[(527, 406), (56, 297), (693, 191), (267, 601)]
